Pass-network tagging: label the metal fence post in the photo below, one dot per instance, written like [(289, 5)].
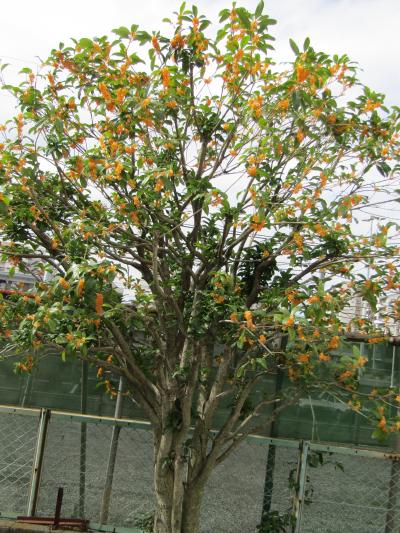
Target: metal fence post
[(273, 432), (82, 452), (38, 461), (105, 502), (298, 499), (394, 482)]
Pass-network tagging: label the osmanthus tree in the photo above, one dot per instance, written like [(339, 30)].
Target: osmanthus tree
[(185, 193)]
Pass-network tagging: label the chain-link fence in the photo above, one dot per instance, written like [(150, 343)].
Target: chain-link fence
[(105, 467), (72, 385)]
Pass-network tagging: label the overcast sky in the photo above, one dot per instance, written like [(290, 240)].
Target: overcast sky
[(367, 30)]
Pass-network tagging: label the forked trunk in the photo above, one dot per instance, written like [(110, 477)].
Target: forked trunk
[(177, 504), (173, 518)]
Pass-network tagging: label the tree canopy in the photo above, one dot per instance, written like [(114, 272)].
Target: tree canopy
[(198, 212)]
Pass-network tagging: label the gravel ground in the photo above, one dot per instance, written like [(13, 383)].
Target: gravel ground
[(350, 497)]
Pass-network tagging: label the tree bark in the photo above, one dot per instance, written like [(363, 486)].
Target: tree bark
[(177, 503), (163, 486), (177, 516), (191, 510)]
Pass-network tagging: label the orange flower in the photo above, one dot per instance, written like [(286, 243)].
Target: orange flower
[(135, 219), (298, 239), (333, 343), (290, 321), (248, 315), (301, 73), (262, 339), (121, 93), (299, 136), (159, 185), (283, 105), (104, 91), (165, 76), (131, 149), (382, 423), (177, 41), (297, 188), (257, 224), (324, 179), (324, 357), (345, 375), (172, 104), (319, 230), (303, 358), (64, 283), (252, 170), (234, 317), (20, 124), (370, 105), (79, 165), (256, 104), (156, 44), (80, 287), (99, 303)]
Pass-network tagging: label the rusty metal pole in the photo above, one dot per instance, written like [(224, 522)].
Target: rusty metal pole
[(105, 503), (57, 514), (38, 461)]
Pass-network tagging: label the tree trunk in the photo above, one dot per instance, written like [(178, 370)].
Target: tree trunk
[(163, 502), (171, 516), (177, 504), (191, 510), (163, 486)]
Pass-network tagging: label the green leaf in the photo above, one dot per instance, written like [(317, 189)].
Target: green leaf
[(122, 31), (223, 15), (4, 199), (241, 369), (52, 325), (244, 17), (59, 126), (306, 43), (259, 8), (143, 37), (204, 24), (294, 47), (85, 43), (266, 21), (135, 59), (262, 362), (220, 35), (356, 351)]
